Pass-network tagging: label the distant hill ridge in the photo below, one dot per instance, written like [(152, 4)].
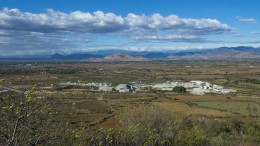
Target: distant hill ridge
[(116, 57), (74, 56), (220, 53)]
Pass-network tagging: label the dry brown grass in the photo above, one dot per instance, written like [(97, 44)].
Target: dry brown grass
[(179, 107)]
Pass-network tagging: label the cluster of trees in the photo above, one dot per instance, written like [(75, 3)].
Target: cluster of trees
[(179, 89)]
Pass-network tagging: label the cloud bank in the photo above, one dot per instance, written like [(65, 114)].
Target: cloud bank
[(51, 29), (100, 22)]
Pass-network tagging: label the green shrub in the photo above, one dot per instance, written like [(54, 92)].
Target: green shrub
[(179, 89)]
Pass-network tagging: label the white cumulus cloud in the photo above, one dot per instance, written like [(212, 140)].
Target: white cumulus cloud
[(48, 30), (100, 22), (176, 38)]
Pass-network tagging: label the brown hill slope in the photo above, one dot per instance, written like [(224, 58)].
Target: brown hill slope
[(116, 58)]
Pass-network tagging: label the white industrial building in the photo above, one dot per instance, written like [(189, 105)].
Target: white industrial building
[(195, 87), (217, 88), (125, 88), (122, 88), (105, 88), (199, 91), (188, 85), (197, 83)]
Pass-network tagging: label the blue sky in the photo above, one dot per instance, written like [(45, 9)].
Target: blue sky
[(67, 26)]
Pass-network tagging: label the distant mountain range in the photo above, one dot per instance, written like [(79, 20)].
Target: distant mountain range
[(241, 52), (220, 53), (223, 53)]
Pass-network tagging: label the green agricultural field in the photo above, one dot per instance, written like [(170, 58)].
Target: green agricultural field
[(243, 108)]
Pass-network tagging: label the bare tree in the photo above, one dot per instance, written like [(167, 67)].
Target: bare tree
[(26, 119)]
